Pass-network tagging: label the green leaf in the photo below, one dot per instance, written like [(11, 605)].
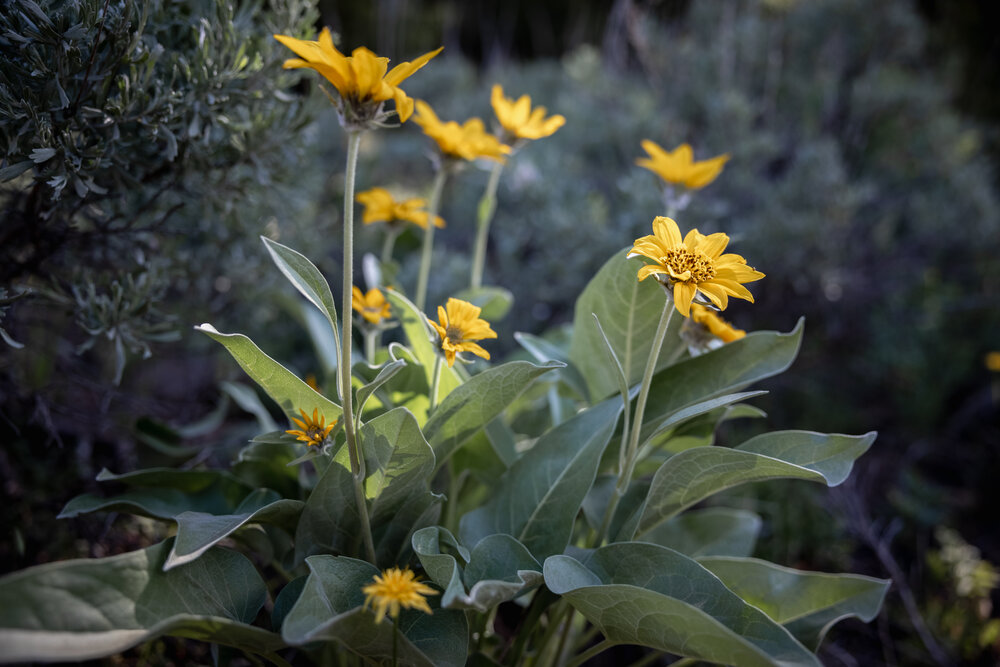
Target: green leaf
[(287, 390), (330, 520), (644, 594), (418, 336), (198, 531), (629, 311), (307, 279), (163, 493), (441, 567), (651, 433), (495, 301), (807, 603), (385, 374), (265, 463), (473, 405), (733, 366), (539, 497), (695, 474), (542, 350), (330, 609), (85, 609), (248, 400), (715, 531)]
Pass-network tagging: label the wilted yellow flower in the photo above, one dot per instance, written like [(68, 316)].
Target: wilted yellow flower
[(360, 78), (468, 142), (458, 325), (519, 120), (394, 589), (678, 166), (371, 306), (693, 265), (715, 325), (381, 207), (314, 430)]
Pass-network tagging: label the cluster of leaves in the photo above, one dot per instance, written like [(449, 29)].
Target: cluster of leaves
[(525, 529), (140, 133)]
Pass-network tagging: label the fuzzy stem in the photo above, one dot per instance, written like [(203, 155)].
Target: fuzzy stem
[(346, 340), (371, 334), (591, 652), (487, 207), (425, 257), (435, 381), (387, 245)]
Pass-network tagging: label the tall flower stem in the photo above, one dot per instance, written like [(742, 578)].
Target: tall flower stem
[(435, 381), (425, 257), (487, 207), (346, 340), (387, 245), (371, 337)]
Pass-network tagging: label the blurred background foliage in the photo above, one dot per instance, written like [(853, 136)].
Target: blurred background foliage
[(148, 145)]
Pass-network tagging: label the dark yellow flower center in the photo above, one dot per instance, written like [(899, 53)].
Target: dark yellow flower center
[(681, 260), (453, 334)]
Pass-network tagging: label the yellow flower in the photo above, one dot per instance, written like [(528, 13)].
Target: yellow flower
[(992, 361), (360, 78), (458, 325), (519, 120), (715, 325), (468, 141), (314, 431), (678, 166), (694, 265), (372, 306), (381, 207), (394, 589)]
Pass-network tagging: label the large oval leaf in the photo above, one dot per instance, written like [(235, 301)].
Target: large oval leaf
[(644, 594), (807, 603), (629, 311), (83, 609), (330, 608)]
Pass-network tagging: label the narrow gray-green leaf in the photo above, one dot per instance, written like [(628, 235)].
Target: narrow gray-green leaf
[(287, 390), (715, 531), (197, 531), (307, 279), (644, 594), (733, 366), (807, 603), (653, 431), (831, 455), (84, 609), (543, 350), (471, 406), (330, 608), (539, 497), (629, 311), (249, 401)]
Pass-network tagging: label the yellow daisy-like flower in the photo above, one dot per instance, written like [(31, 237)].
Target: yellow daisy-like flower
[(518, 120), (715, 325), (314, 430), (371, 306), (467, 142), (992, 361), (396, 588), (381, 207), (458, 325), (694, 265), (678, 166), (361, 78)]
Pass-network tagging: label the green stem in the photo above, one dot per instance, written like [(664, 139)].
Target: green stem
[(487, 207), (395, 644), (387, 245), (435, 381), (371, 334), (653, 656), (425, 257), (640, 404), (591, 652), (567, 628), (346, 340)]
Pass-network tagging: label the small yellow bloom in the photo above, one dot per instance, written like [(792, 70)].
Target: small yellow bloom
[(678, 166), (694, 265), (394, 589), (360, 78), (313, 384), (458, 325), (519, 120), (992, 361), (314, 431), (715, 325), (468, 142), (372, 306), (381, 207)]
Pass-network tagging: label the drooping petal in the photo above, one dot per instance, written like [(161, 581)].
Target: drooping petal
[(683, 296)]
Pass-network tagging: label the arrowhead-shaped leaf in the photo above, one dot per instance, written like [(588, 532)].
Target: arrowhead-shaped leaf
[(539, 497), (83, 609), (644, 594), (807, 603)]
